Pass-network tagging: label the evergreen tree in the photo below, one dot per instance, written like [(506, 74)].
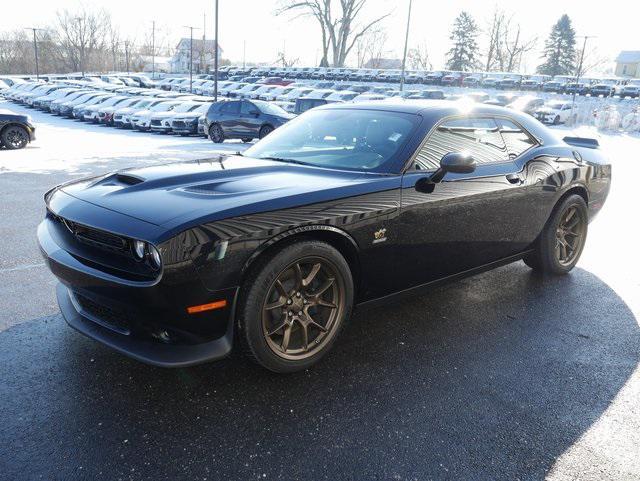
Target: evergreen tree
[(463, 55), (560, 49)]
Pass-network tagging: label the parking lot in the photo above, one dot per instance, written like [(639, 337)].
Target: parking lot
[(503, 375)]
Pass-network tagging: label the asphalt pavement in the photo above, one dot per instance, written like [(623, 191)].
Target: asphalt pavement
[(505, 375)]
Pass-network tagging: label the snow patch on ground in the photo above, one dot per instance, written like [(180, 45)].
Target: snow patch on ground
[(76, 147)]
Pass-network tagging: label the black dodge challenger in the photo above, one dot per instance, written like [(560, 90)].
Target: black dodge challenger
[(345, 205)]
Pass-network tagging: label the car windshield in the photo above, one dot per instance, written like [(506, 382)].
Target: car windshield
[(350, 139)]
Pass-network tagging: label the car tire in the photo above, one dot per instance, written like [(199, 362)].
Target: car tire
[(264, 131), (556, 120), (559, 246), (15, 137), (279, 303), (216, 134), (246, 140)]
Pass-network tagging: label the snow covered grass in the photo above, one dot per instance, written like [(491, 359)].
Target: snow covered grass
[(75, 147)]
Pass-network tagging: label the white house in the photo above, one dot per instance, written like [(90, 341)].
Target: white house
[(203, 56), (628, 64)]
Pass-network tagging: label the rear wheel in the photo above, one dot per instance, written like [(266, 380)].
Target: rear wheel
[(246, 140), (556, 120), (216, 134), (295, 305), (560, 244), (264, 131), (15, 137)]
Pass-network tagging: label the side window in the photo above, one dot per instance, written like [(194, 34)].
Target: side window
[(230, 108), (478, 136), (246, 108), (516, 139)]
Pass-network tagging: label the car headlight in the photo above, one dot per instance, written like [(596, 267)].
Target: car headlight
[(138, 249), (156, 261)]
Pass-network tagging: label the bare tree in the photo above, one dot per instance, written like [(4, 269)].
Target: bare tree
[(506, 45), (286, 61), (592, 60), (370, 48), (81, 38), (340, 31), (515, 47), (418, 57), (495, 33)]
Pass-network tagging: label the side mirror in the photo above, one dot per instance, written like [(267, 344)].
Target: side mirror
[(454, 162)]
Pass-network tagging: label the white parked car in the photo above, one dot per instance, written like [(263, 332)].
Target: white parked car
[(276, 92), (122, 117), (554, 112), (91, 113), (367, 97), (141, 119), (294, 94), (342, 96), (161, 121)]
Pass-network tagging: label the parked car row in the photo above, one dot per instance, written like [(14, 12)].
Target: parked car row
[(124, 107), (498, 80)]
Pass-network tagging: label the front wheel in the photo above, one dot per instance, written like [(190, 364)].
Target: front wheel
[(560, 244), (294, 305), (15, 137), (216, 134)]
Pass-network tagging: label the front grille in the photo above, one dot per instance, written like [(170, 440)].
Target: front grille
[(96, 237), (178, 124), (117, 117), (156, 123), (108, 317)]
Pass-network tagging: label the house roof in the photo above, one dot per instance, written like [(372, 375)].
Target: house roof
[(629, 56), (197, 44)]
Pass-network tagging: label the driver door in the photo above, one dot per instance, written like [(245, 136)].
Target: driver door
[(468, 220)]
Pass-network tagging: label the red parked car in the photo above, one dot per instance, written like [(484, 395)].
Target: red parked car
[(275, 81)]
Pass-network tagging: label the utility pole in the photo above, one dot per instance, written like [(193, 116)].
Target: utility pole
[(126, 54), (215, 58), (35, 48), (191, 57), (153, 49), (404, 55), (244, 54), (579, 71), (82, 46)]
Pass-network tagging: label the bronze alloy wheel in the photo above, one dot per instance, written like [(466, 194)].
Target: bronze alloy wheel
[(301, 310), (570, 236)]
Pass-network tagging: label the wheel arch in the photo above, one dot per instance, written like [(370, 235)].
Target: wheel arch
[(340, 240), (12, 124)]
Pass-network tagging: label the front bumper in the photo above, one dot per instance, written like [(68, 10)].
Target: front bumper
[(146, 320)]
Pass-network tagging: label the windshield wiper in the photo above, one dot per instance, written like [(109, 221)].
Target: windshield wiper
[(288, 161)]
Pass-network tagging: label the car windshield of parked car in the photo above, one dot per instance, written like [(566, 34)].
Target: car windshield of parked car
[(270, 109), (350, 139)]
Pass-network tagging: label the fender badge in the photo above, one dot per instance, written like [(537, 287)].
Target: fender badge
[(380, 236)]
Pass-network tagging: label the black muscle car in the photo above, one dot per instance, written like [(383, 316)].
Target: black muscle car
[(16, 130), (345, 205)]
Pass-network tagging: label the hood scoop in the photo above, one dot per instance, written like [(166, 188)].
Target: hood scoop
[(120, 178)]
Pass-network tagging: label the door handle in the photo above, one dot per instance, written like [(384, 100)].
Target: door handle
[(514, 179)]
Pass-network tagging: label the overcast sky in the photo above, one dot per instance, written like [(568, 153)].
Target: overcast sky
[(615, 23)]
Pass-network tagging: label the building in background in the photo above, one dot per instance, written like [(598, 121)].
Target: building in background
[(203, 56), (628, 64)]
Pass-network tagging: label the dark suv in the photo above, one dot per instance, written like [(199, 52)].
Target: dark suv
[(243, 119), (16, 130)]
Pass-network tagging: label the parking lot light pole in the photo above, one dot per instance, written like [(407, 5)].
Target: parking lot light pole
[(191, 57), (215, 57), (578, 73), (153, 49), (404, 55), (35, 48)]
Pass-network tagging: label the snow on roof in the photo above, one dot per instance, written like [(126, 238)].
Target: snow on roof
[(628, 56)]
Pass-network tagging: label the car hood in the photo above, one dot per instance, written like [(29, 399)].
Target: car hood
[(188, 115), (162, 115), (184, 194)]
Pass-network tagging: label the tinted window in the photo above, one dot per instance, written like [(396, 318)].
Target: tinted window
[(478, 136), (230, 108), (517, 140), (341, 138), (246, 108)]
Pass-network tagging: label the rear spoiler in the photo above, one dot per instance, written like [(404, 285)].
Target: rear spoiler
[(582, 142)]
